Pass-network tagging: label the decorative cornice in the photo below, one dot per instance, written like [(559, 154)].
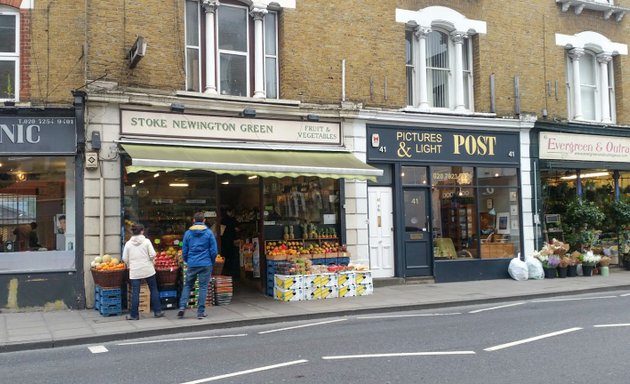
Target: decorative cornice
[(210, 6), (458, 37), (604, 58), (421, 32), (258, 13), (607, 9), (576, 53)]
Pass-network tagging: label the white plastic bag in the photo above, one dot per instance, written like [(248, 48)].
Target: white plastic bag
[(518, 269), (534, 268)]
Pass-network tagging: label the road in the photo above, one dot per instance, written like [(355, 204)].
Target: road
[(574, 339)]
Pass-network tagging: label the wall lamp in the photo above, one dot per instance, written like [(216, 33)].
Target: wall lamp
[(178, 108), (312, 117), (249, 112)]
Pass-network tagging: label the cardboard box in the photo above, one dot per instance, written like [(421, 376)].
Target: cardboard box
[(347, 291), (497, 250), (288, 294), (329, 292), (288, 281), (321, 280), (364, 277), (345, 279), (364, 289)]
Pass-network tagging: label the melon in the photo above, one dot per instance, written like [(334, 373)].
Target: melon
[(107, 258), (115, 261), (98, 259)]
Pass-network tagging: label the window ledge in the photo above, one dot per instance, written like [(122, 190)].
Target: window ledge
[(608, 10), (200, 95), (441, 111)]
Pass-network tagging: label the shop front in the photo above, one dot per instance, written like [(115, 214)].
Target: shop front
[(261, 184), (40, 241), (574, 163), (455, 196)]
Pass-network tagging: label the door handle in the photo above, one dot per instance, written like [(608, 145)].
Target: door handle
[(428, 225)]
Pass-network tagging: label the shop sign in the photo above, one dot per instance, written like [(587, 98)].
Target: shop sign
[(38, 135), (228, 128), (447, 145), (569, 146)]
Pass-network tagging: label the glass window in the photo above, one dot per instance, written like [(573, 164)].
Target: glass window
[(475, 217), (232, 24), (9, 54), (588, 86), (409, 65), (414, 175), (438, 69), (386, 178), (271, 56), (37, 228), (415, 211), (193, 48)]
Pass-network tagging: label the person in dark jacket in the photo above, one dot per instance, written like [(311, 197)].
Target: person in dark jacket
[(199, 251)]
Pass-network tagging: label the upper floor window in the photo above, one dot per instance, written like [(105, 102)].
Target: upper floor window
[(439, 58), (232, 48), (9, 54), (590, 76)]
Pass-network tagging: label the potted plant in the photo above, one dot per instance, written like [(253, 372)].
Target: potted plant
[(589, 261), (550, 263), (581, 219), (618, 213), (563, 266), (573, 263)]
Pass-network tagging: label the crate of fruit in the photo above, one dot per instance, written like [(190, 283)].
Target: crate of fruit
[(108, 272)]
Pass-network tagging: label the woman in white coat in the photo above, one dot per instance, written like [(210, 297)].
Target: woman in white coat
[(138, 254)]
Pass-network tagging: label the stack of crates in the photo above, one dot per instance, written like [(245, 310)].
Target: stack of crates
[(320, 286), (168, 299), (364, 283), (108, 301), (274, 267), (145, 298), (194, 293)]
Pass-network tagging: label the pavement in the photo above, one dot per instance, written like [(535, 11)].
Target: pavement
[(21, 331)]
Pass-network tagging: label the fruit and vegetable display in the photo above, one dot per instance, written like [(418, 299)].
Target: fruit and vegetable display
[(163, 260), (296, 247), (304, 266), (107, 263)]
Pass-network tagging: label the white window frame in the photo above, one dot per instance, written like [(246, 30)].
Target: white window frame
[(194, 47), (248, 53), (210, 53), (270, 56), (13, 56), (456, 26), (598, 46)]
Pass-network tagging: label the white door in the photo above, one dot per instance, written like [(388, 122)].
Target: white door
[(381, 229)]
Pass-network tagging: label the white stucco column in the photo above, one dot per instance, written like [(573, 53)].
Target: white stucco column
[(210, 8), (420, 87), (258, 14), (458, 39), (574, 55), (603, 59)]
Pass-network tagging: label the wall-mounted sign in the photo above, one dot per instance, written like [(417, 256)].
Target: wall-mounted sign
[(570, 146), (38, 135), (228, 128), (410, 144)]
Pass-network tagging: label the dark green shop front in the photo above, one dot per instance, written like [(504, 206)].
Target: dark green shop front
[(456, 199)]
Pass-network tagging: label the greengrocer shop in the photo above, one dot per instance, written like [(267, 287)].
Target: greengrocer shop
[(282, 180)]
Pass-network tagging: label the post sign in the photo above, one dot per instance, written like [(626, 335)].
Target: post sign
[(228, 128), (37, 135), (411, 144)]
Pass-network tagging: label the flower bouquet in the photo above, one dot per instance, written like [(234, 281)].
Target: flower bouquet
[(550, 263), (589, 261), (604, 263)]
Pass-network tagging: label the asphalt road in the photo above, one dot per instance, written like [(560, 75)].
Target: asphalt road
[(576, 339)]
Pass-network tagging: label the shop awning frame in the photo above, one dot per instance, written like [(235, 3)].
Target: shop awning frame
[(264, 163)]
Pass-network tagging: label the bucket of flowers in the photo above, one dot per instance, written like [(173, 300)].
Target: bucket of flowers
[(589, 261), (604, 263), (550, 264)]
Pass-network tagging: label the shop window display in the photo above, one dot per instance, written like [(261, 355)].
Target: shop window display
[(37, 230), (475, 212)]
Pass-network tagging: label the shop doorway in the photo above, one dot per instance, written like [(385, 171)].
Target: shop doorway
[(417, 233), (381, 231)]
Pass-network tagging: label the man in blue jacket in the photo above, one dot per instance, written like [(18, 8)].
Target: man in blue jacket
[(199, 251)]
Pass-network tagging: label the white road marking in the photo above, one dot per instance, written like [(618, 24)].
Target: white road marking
[(98, 349), (624, 295), (181, 339), (612, 325), (301, 326), (402, 354), (499, 307), (246, 372), (518, 342), (407, 315), (572, 299)]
